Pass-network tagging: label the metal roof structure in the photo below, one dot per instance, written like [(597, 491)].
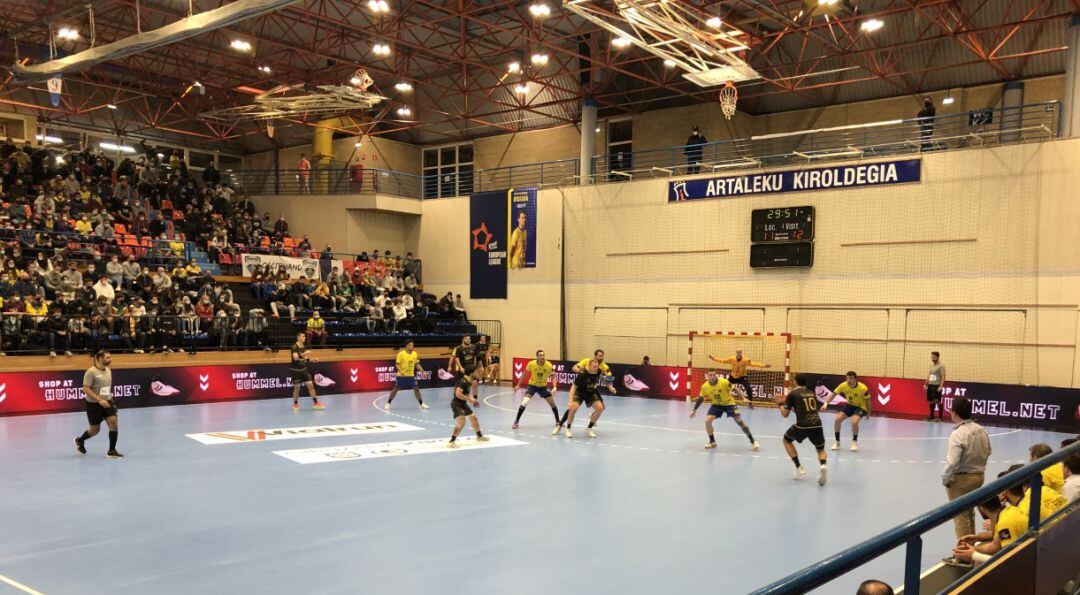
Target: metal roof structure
[(455, 55)]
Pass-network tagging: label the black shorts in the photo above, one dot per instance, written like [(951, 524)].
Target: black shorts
[(96, 414), (933, 392), (588, 398), (797, 434), (745, 383), (460, 408), (300, 376)]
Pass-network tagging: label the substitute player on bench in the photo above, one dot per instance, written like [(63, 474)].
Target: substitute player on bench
[(718, 391), (858, 406)]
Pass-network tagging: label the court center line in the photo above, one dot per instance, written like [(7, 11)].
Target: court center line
[(19, 586)]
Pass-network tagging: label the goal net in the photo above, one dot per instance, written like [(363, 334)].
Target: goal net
[(777, 350)]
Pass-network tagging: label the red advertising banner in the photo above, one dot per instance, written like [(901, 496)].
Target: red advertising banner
[(1044, 408), (47, 392)]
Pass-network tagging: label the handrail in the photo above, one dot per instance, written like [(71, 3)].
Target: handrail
[(910, 533)]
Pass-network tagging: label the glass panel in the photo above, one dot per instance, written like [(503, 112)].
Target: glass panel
[(620, 131), (197, 159), (465, 154), (431, 183), (447, 181), (465, 179), (447, 156), (431, 157)]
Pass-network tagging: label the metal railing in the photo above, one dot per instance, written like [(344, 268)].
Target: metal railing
[(1038, 121), (30, 334), (910, 533), (80, 248), (997, 126), (328, 181)]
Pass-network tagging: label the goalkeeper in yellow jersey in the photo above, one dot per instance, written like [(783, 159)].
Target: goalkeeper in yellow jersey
[(858, 406), (718, 391), (740, 366)]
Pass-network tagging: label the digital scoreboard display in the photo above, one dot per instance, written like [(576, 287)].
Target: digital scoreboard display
[(784, 224)]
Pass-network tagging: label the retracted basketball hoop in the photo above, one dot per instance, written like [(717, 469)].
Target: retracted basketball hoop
[(729, 97)]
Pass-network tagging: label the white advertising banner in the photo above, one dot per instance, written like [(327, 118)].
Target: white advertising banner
[(296, 267)]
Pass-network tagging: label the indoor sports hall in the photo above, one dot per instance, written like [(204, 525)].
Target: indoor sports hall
[(329, 296)]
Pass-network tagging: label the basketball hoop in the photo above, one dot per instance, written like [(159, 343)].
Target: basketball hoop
[(729, 97)]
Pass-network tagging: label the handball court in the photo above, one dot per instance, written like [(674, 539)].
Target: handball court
[(640, 509)]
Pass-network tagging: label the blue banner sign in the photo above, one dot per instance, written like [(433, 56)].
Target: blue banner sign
[(818, 178)]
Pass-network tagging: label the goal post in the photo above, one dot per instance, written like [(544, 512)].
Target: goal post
[(778, 350)]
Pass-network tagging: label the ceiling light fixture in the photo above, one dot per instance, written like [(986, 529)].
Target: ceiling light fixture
[(669, 63), (539, 10), (50, 139), (240, 45), (522, 89), (947, 101), (116, 147), (378, 6), (828, 2), (620, 42), (871, 25), (404, 111), (264, 69), (539, 59), (714, 22), (403, 87), (381, 49), (513, 67), (68, 33), (110, 105)]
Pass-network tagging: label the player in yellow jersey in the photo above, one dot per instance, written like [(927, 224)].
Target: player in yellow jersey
[(718, 391), (605, 371), (740, 367), (541, 382), (408, 363), (1053, 476), (858, 406)]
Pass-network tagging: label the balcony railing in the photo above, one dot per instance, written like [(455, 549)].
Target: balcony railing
[(977, 128)]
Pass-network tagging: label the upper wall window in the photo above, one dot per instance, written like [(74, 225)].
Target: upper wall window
[(448, 171)]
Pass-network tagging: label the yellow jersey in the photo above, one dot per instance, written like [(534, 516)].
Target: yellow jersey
[(1011, 524), (539, 375), (859, 396), (316, 324), (719, 393), (517, 248), (44, 309), (739, 366), (1054, 477), (406, 363), (1052, 501), (584, 365)]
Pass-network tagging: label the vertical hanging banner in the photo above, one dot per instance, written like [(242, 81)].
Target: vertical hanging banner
[(488, 217), (56, 87), (522, 249)]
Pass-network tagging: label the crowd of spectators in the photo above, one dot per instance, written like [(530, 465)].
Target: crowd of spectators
[(93, 254)]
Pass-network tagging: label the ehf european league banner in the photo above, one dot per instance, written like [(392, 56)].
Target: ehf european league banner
[(58, 392), (488, 216), (800, 180), (523, 223)]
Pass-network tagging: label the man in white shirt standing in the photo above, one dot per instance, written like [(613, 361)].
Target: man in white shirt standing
[(1071, 491), (965, 463)]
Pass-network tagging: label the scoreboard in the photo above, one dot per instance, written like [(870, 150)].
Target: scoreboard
[(782, 237)]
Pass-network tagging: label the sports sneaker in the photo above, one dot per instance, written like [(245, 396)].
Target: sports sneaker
[(799, 472), (854, 446), (514, 427), (80, 445), (444, 375), (68, 353), (451, 445), (555, 430), (710, 445), (52, 354), (424, 406), (386, 406), (755, 446), (319, 406), (567, 433), (482, 439), (295, 407), (590, 432), (822, 475), (114, 454), (835, 446)]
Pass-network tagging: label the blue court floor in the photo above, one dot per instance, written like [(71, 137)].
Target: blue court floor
[(640, 509)]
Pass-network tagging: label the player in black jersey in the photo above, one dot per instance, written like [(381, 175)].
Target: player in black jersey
[(463, 359), (586, 389), (299, 356), (460, 406), (482, 347), (807, 425)]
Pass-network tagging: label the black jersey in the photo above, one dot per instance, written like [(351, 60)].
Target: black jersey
[(587, 382), (297, 360), (805, 405), (466, 355), (465, 384)]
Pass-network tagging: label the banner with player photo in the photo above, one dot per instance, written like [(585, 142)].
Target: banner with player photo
[(522, 248), (55, 392), (488, 216)]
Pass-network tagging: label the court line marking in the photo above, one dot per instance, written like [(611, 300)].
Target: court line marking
[(593, 442), (19, 586), (621, 423)]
